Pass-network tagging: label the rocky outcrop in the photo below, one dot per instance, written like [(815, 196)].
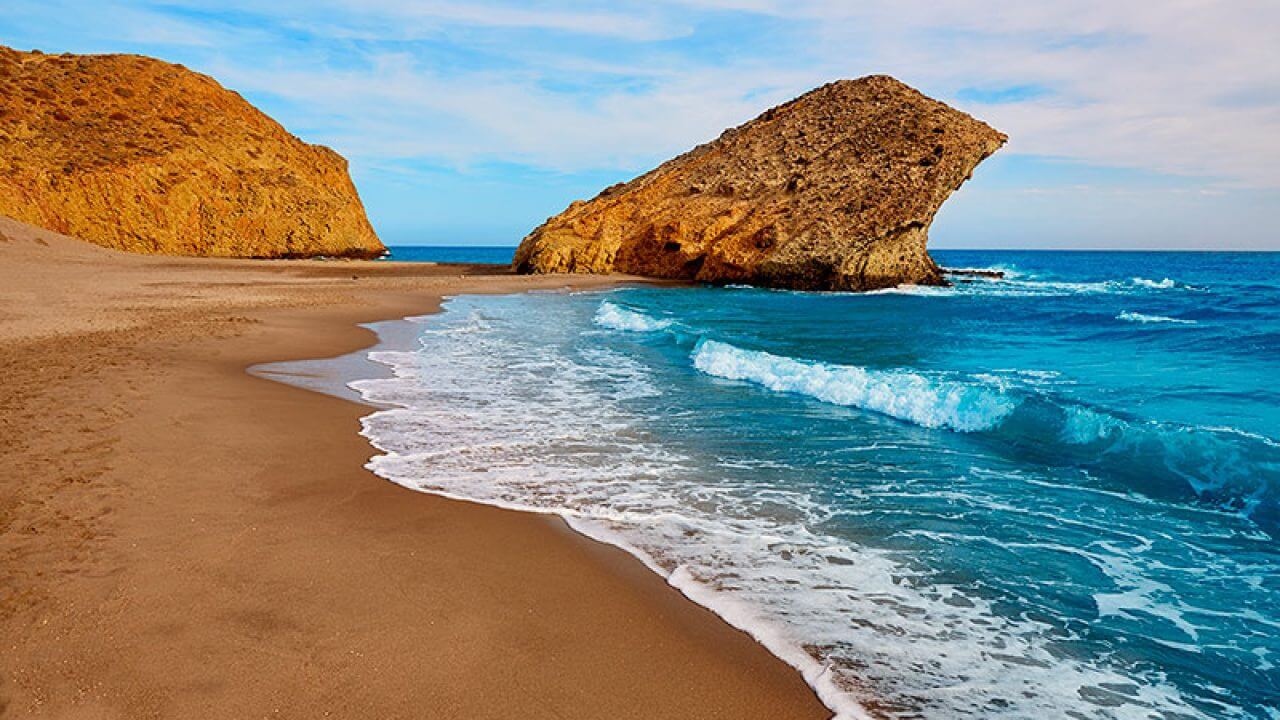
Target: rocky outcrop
[(142, 155), (833, 190)]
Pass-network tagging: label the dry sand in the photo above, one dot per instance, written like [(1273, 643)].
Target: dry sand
[(180, 539)]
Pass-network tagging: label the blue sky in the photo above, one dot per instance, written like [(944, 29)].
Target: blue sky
[(1132, 124)]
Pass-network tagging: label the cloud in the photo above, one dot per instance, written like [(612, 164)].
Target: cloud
[(1189, 87), (1185, 87), (397, 107), (383, 20)]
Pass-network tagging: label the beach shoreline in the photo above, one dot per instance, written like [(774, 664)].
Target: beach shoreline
[(180, 537), (339, 376)]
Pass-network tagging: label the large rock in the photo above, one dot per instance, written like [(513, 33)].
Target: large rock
[(138, 154), (833, 190)]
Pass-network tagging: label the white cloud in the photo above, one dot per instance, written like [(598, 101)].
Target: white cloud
[(399, 107), (1187, 87), (407, 19)]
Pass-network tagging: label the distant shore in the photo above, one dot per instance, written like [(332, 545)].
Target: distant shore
[(179, 538)]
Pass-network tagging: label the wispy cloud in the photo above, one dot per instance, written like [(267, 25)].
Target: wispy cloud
[(1184, 88), (1189, 86)]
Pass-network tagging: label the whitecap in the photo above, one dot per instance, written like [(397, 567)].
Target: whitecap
[(524, 415), (1136, 317), (918, 290), (614, 317), (925, 401)]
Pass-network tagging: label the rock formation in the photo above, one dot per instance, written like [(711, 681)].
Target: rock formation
[(138, 154), (833, 190)]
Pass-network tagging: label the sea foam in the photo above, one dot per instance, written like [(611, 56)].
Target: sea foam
[(925, 401), (1165, 284), (1136, 317), (835, 558), (614, 317)]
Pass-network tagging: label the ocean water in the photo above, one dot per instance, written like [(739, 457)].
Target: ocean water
[(1052, 495), (451, 253)]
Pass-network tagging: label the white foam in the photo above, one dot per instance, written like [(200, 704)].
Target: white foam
[(1013, 284), (932, 403), (981, 272), (1136, 317), (1009, 286), (611, 316), (916, 290), (540, 421), (1019, 284)]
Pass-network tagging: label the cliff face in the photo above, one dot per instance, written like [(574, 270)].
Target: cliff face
[(138, 154), (833, 190)]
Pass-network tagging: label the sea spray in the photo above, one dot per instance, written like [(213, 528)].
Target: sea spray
[(1136, 317), (928, 402), (1160, 459), (614, 317)]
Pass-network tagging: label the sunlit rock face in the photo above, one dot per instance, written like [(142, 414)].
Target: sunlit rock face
[(138, 154), (833, 190)]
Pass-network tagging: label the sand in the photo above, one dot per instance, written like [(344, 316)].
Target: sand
[(181, 539)]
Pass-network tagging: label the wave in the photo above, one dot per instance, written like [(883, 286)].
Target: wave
[(545, 425), (614, 317), (925, 401), (1009, 286), (1018, 284), (1224, 469), (992, 272), (1212, 466), (1164, 284), (1157, 459), (1136, 317)]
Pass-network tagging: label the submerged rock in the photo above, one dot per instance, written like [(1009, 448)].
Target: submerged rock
[(973, 272), (137, 154), (833, 190)]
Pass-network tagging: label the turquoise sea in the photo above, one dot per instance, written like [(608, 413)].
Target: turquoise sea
[(451, 254), (1054, 494)]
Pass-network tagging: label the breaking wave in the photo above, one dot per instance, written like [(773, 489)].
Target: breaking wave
[(925, 401), (1136, 317), (614, 317), (1017, 284), (1148, 319), (1016, 545), (1163, 284), (1219, 467), (1228, 470)]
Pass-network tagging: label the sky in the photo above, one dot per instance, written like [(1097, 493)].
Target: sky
[(1133, 124)]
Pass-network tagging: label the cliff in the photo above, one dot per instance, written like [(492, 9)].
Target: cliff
[(833, 190), (138, 154)]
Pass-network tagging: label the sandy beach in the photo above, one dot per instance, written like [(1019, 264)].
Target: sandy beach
[(181, 539)]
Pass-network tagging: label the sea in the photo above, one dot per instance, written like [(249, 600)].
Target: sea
[(1052, 494)]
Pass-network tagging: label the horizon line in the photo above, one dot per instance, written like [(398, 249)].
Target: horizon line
[(944, 249)]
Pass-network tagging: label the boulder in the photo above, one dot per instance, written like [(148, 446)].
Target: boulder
[(834, 190)]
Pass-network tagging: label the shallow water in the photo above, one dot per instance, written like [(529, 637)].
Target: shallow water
[(1055, 494)]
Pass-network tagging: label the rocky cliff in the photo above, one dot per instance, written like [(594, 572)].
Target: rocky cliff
[(138, 154), (833, 190)]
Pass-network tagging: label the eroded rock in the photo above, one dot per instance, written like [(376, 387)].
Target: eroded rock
[(138, 154), (833, 190)]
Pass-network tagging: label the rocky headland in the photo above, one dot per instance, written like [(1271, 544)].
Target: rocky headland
[(137, 154), (833, 190)]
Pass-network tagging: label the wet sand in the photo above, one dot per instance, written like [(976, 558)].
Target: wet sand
[(181, 539)]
